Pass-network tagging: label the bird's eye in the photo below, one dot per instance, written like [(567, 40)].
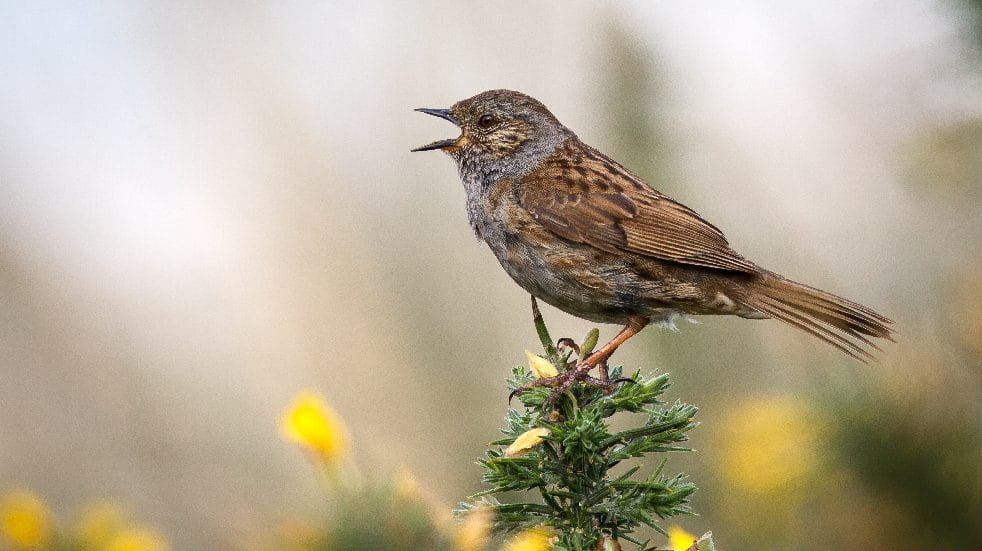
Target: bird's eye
[(486, 121)]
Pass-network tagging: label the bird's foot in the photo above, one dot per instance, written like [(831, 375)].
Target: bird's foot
[(559, 383), (565, 380)]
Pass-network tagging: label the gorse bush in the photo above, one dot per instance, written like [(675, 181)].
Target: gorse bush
[(568, 457)]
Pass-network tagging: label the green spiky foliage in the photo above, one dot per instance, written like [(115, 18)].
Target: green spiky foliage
[(579, 475)]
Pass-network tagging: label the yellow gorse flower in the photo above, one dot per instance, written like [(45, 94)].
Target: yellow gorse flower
[(137, 539), (679, 539), (769, 446), (25, 521), (526, 441), (100, 523), (310, 422), (540, 366), (406, 485), (530, 540)]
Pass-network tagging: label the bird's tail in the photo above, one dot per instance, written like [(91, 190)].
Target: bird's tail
[(842, 323)]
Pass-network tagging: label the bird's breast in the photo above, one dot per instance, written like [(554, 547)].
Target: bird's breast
[(578, 279)]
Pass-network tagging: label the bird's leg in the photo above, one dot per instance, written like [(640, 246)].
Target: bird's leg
[(600, 357), (633, 327), (604, 372), (603, 382), (562, 382)]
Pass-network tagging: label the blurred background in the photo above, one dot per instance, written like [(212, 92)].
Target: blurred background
[(205, 208)]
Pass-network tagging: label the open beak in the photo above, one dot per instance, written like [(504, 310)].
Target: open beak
[(443, 114)]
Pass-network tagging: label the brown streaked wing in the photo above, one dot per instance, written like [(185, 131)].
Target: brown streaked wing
[(621, 215)]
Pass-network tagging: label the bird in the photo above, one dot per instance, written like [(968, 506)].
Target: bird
[(586, 235)]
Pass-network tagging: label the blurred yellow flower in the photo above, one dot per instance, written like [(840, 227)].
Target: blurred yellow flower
[(540, 366), (100, 522), (408, 489), (137, 539), (769, 445), (405, 484), (526, 441), (25, 521), (679, 539), (530, 540), (309, 421), (302, 533), (474, 533)]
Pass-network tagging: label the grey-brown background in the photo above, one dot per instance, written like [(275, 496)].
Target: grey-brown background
[(207, 207)]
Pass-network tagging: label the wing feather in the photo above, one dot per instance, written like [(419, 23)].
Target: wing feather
[(589, 198)]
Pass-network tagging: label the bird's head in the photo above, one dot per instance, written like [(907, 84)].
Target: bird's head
[(498, 125)]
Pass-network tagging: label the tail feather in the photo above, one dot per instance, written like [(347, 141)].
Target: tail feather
[(842, 323), (843, 320), (809, 325)]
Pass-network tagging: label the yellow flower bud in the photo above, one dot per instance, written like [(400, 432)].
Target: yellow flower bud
[(309, 422), (526, 441), (679, 539), (530, 540), (25, 521), (540, 366)]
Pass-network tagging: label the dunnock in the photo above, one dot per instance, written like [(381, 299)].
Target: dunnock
[(581, 232)]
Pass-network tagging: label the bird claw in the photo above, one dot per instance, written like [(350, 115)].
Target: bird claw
[(544, 381), (562, 382), (567, 342)]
